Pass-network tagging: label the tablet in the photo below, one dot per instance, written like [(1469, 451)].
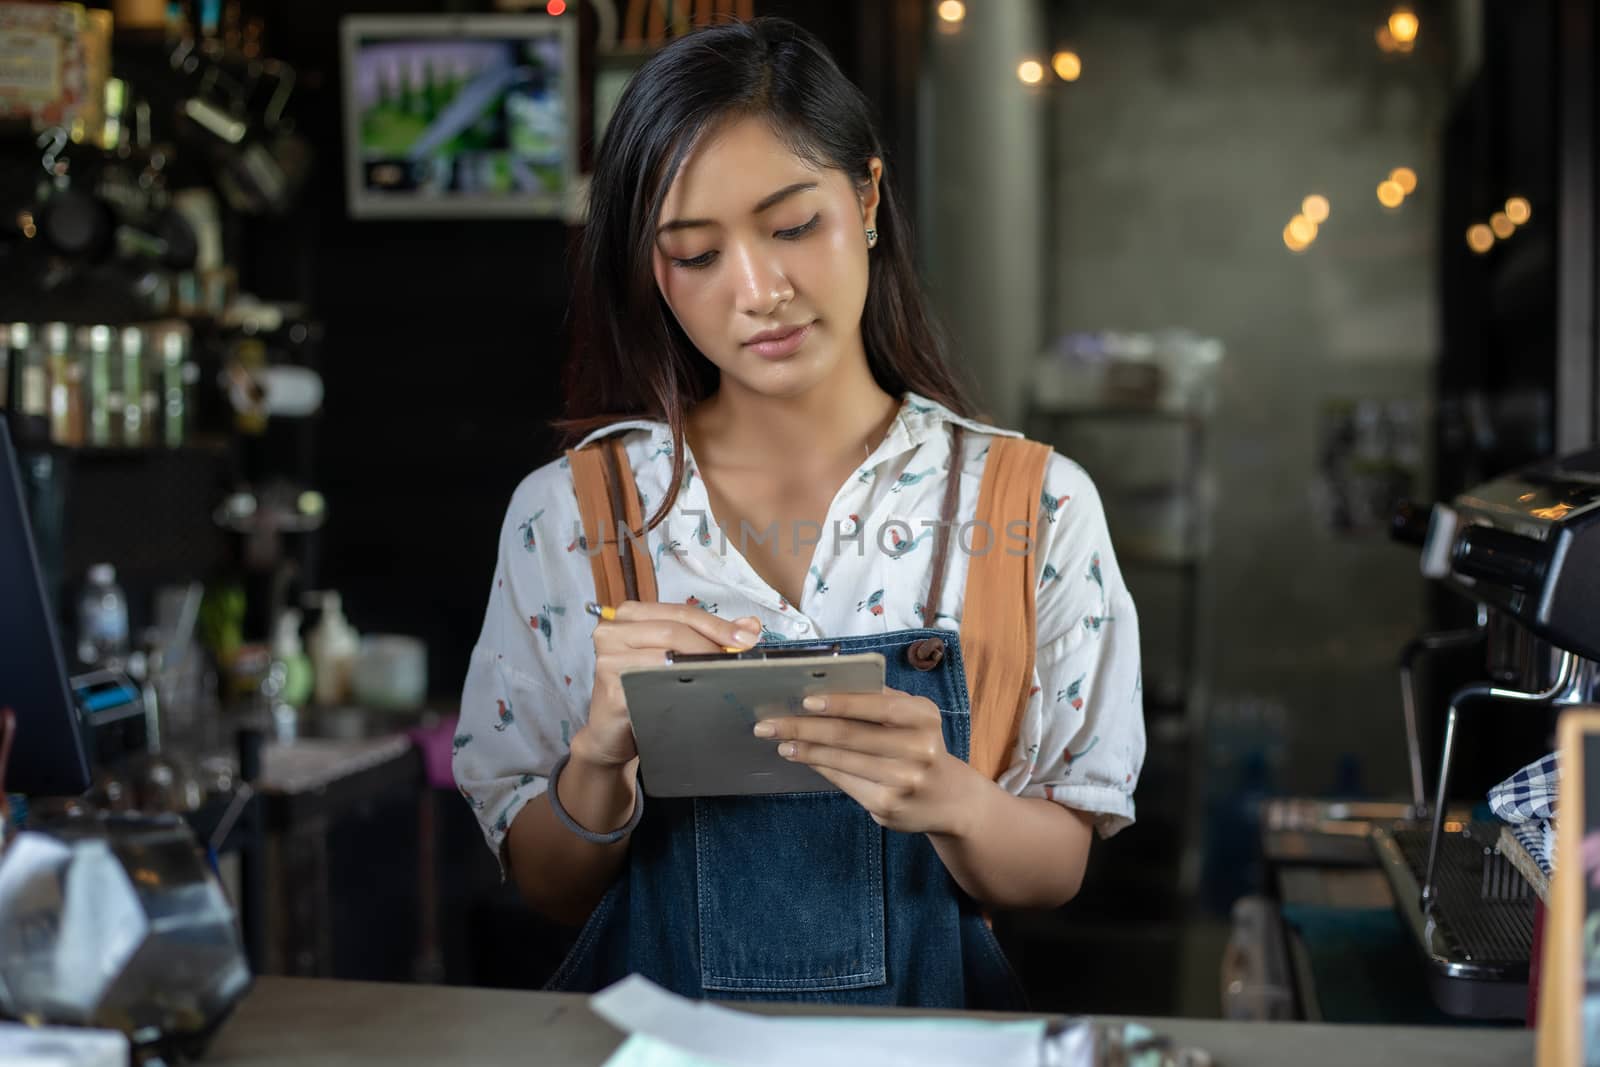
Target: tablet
[(692, 719)]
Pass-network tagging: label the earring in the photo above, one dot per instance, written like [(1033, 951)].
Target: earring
[(872, 238)]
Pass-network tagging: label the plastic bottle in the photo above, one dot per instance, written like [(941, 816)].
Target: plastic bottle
[(333, 645), (103, 620), (287, 649)]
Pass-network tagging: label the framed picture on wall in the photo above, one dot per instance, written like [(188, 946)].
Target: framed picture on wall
[(452, 116)]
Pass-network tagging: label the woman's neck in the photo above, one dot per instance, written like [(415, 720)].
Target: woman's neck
[(837, 421)]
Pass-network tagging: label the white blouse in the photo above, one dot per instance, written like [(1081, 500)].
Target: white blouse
[(1082, 739)]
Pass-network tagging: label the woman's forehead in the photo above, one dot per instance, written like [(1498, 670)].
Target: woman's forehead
[(733, 166)]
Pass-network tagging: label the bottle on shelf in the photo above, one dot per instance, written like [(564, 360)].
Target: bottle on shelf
[(103, 620), (288, 650), (66, 385), (150, 400), (32, 406), (174, 422), (333, 646), (135, 432), (103, 403)]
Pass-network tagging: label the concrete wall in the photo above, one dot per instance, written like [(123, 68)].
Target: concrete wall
[(984, 185), (1173, 165)]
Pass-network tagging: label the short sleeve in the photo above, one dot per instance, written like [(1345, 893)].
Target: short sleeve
[(528, 680), (1082, 739)]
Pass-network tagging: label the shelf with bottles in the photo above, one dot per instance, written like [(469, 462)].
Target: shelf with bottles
[(99, 388)]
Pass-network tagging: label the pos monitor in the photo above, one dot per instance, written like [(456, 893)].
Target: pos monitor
[(48, 754)]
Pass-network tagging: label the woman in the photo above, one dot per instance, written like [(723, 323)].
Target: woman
[(751, 324)]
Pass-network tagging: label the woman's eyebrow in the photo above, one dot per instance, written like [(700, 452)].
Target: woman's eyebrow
[(766, 202)]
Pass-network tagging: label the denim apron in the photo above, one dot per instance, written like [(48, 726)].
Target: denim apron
[(801, 896)]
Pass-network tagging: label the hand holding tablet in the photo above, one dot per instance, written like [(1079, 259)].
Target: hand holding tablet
[(694, 718)]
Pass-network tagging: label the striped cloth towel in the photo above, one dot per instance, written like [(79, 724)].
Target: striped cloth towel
[(1529, 795)]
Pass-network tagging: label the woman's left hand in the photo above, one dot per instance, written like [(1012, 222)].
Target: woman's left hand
[(887, 751)]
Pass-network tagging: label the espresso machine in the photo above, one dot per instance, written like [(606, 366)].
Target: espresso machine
[(1526, 548)]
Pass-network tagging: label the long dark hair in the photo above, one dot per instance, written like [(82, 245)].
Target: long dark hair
[(630, 358)]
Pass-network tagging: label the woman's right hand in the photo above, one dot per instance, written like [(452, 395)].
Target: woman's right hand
[(639, 636)]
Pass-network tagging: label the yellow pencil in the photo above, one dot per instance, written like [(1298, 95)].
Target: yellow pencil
[(608, 613)]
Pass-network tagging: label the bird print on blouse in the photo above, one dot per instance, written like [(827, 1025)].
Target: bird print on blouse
[(1073, 693), (917, 610), (1070, 757), (903, 546), (1052, 504), (541, 622), (1094, 623), (529, 543), (909, 479), (873, 603), (821, 586)]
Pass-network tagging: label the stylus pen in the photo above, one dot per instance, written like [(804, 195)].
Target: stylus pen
[(608, 613)]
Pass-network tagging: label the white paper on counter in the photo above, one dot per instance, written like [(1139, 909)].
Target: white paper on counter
[(641, 1051), (673, 1031), (61, 1046)]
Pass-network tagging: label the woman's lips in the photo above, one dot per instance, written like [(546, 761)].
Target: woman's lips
[(780, 347)]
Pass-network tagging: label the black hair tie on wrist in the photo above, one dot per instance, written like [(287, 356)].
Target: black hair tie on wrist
[(571, 824)]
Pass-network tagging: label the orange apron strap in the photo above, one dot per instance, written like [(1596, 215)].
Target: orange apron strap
[(639, 575), (997, 606), (620, 563)]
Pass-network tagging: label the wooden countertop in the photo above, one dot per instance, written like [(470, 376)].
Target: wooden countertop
[(312, 1022)]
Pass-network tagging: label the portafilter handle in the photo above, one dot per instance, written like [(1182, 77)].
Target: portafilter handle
[(1560, 691), (1429, 642)]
